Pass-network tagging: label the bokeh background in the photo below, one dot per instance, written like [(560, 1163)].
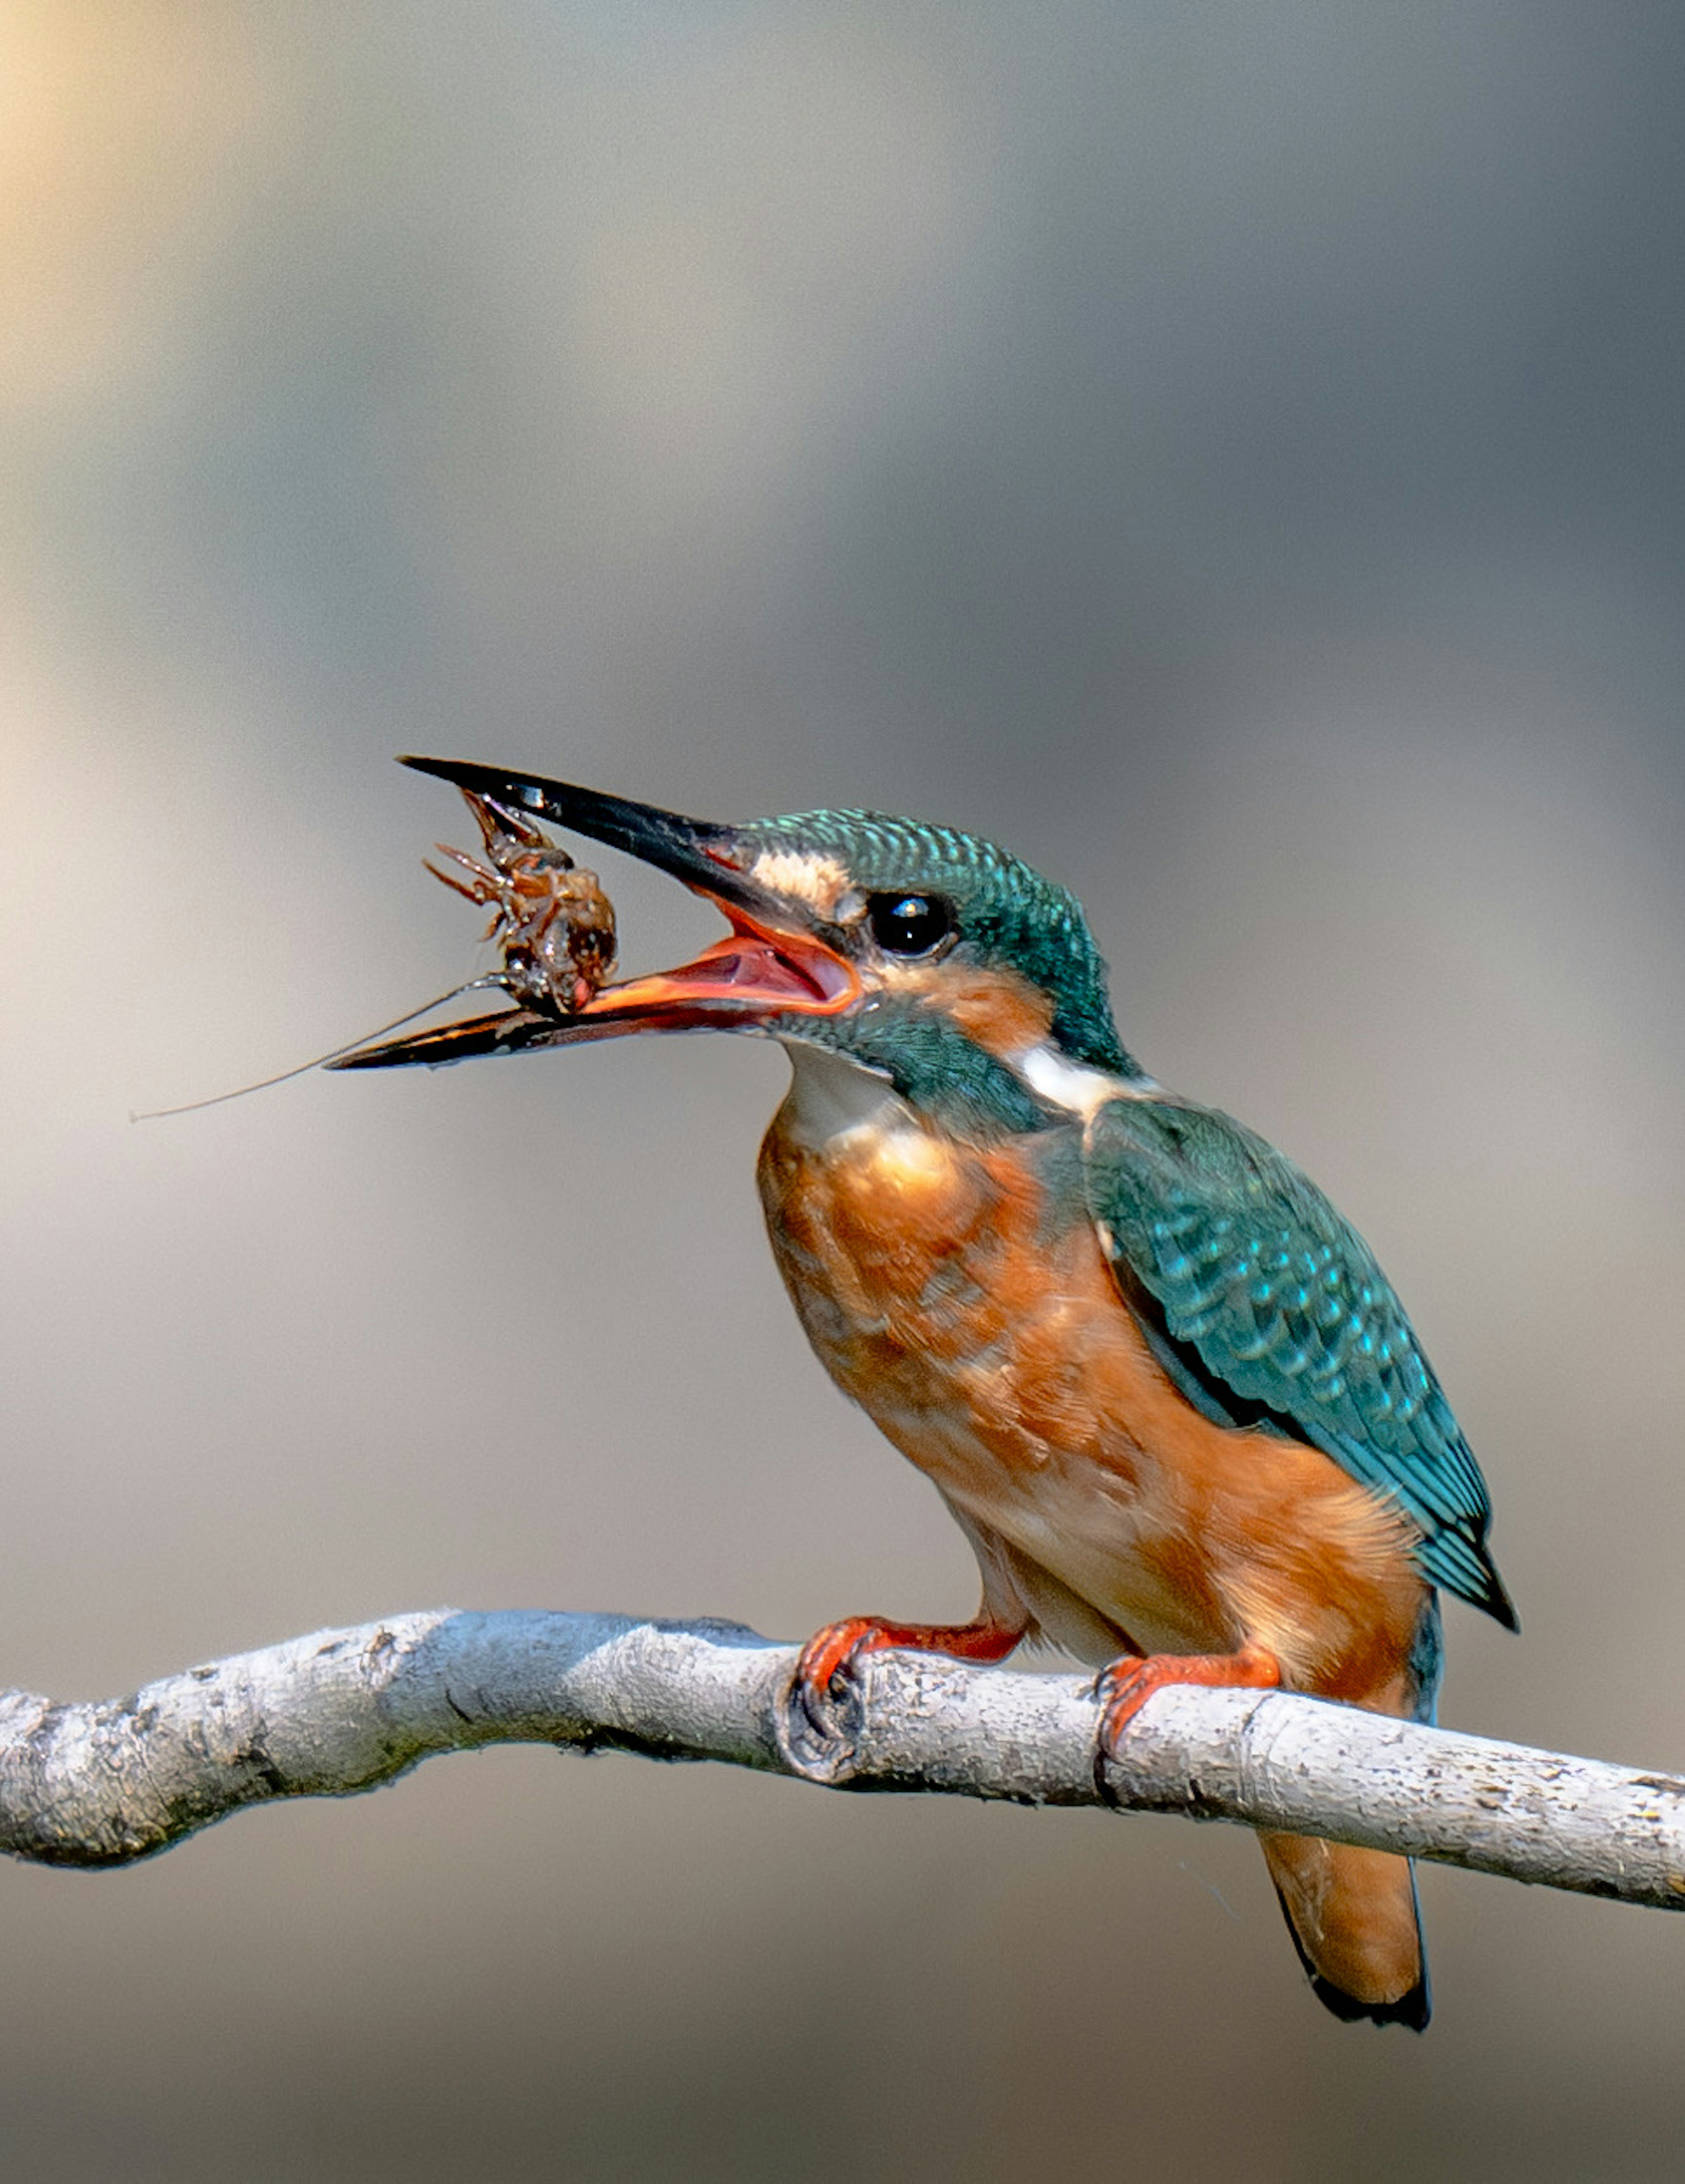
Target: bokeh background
[(1231, 452)]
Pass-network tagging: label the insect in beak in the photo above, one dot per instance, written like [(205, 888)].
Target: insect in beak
[(556, 930)]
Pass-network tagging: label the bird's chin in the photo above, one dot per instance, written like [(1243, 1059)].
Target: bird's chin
[(833, 1093)]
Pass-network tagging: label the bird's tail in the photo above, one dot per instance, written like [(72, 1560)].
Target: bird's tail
[(1357, 1925)]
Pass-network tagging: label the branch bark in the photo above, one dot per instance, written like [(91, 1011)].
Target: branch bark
[(108, 1782)]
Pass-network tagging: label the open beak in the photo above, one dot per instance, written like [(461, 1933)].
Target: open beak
[(772, 963)]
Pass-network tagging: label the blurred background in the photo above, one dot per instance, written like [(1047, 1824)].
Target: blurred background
[(1233, 454)]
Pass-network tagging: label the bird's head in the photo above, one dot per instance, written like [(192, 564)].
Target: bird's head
[(930, 956)]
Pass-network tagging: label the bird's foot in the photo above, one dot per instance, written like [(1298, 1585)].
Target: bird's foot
[(821, 1713), (1123, 1689)]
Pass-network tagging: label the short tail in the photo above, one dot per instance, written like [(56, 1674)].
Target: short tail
[(1356, 1926)]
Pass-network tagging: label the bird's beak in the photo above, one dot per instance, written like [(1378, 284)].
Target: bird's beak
[(772, 963)]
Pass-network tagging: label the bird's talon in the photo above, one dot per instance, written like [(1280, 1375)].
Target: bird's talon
[(1123, 1688), (821, 1718), (826, 1667)]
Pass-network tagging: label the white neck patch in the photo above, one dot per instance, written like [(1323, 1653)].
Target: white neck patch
[(1069, 1084)]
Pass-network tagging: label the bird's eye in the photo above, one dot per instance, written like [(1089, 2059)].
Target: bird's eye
[(909, 924)]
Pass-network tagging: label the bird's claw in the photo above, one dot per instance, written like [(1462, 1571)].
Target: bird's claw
[(824, 1712), (820, 1720), (1123, 1688), (824, 1677)]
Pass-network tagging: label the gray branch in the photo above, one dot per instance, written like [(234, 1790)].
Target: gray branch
[(104, 1783)]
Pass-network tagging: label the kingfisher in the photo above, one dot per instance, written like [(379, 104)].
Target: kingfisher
[(1160, 1382)]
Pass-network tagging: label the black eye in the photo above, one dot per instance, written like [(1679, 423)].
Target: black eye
[(909, 924)]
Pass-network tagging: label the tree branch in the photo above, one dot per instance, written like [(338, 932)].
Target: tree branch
[(105, 1783)]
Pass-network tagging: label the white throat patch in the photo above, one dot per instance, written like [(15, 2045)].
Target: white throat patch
[(830, 1095)]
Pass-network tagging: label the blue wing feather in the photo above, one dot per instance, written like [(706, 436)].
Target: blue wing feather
[(1271, 1311)]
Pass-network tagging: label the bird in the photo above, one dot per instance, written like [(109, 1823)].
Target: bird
[(1160, 1384)]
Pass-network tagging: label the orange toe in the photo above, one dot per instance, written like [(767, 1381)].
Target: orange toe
[(831, 1651), (1125, 1688)]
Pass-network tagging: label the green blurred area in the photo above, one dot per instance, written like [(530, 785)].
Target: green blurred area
[(1234, 455)]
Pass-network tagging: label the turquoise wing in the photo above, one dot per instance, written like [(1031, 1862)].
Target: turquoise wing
[(1268, 1308)]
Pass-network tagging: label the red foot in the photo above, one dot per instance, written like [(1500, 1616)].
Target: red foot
[(1123, 1689), (829, 1652)]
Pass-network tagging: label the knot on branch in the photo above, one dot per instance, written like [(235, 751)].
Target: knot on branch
[(819, 1733)]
